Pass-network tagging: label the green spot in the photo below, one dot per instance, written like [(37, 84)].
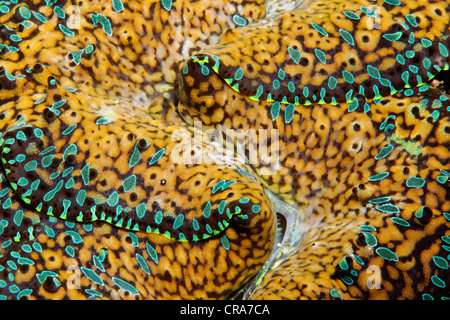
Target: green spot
[(106, 24), (348, 76), (351, 15), (443, 50), (240, 21), (295, 54), (135, 157), (30, 166), (225, 242), (386, 254), (157, 156), (415, 182), (92, 276), (66, 30), (129, 183), (332, 82), (438, 281), (152, 253), (347, 36), (158, 217), (388, 208), (178, 221), (59, 12), (384, 152), (380, 200), (125, 286), (320, 55), (379, 176), (49, 195), (76, 238), (275, 110), (289, 113), (238, 74), (393, 36), (440, 262), (319, 29), (117, 5), (207, 210), (143, 264), (371, 240), (140, 210), (85, 174), (400, 221), (113, 199)]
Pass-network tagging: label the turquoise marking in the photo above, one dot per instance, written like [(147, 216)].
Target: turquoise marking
[(225, 242), (386, 254), (319, 29), (240, 21), (129, 183), (289, 113), (295, 54), (85, 174), (140, 210), (81, 197), (320, 55), (276, 84), (59, 12), (379, 176), (207, 210), (348, 76), (275, 110), (393, 36), (347, 36), (332, 82), (238, 74), (113, 199), (351, 15), (152, 253), (384, 152), (178, 221), (104, 21), (66, 30), (158, 217), (92, 276), (142, 263), (167, 4), (135, 157), (415, 182), (49, 195), (157, 156), (443, 50), (117, 5), (388, 208)]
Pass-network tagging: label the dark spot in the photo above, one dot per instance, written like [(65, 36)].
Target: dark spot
[(49, 115), (71, 159), (361, 240), (133, 196), (93, 173), (49, 285), (142, 144), (38, 68)]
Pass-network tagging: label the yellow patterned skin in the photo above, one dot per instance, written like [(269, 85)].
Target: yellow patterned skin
[(102, 191), (98, 198), (368, 172)]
